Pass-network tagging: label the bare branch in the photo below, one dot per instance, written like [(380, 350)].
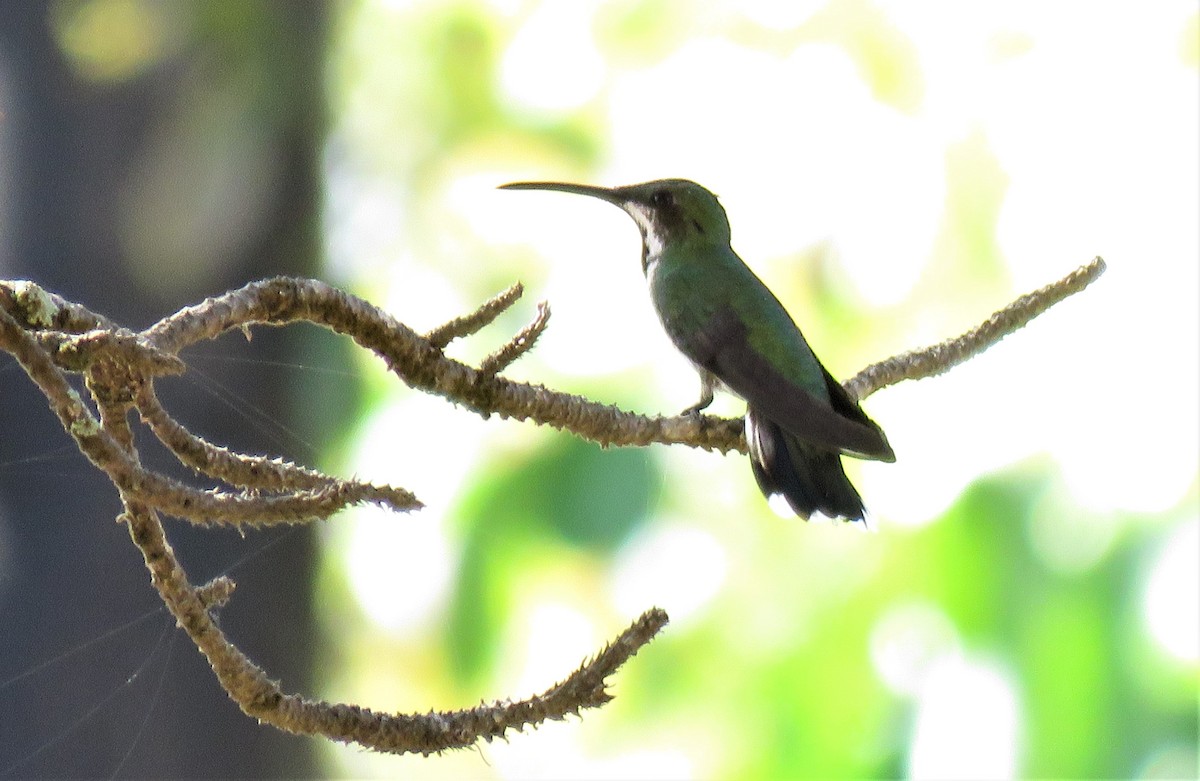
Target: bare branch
[(476, 321), (520, 344), (51, 337), (423, 366), (943, 356), (76, 352), (216, 593), (255, 472), (437, 731), (37, 308)]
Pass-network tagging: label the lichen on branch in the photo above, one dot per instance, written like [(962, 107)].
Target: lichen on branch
[(52, 338)]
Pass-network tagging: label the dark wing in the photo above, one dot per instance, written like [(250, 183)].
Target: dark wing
[(810, 478), (721, 347), (847, 407)]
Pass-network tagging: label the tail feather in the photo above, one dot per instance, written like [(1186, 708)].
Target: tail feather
[(812, 480)]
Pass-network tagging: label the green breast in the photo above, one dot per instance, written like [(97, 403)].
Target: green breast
[(690, 285)]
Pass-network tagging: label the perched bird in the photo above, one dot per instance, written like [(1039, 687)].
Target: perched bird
[(799, 420)]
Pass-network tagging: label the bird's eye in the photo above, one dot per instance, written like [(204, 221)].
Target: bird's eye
[(660, 198)]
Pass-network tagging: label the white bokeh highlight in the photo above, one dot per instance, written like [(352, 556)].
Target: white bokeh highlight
[(967, 726), (673, 565), (1171, 601), (910, 641)]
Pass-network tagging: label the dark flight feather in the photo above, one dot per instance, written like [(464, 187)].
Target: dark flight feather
[(721, 348), (811, 479)]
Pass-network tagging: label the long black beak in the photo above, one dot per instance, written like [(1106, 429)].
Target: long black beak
[(603, 193)]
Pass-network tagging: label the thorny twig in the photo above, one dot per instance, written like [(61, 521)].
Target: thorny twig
[(51, 337), (943, 356)]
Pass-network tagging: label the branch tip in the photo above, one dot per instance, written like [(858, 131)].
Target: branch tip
[(943, 356), (477, 320), (50, 337), (520, 344)]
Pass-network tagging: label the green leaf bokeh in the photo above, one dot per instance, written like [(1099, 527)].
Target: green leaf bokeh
[(1000, 623)]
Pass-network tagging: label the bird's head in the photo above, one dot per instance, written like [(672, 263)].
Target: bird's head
[(667, 211)]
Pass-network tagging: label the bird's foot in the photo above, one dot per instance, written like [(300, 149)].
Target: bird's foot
[(706, 398)]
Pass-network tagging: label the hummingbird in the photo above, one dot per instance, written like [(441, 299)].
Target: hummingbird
[(739, 337)]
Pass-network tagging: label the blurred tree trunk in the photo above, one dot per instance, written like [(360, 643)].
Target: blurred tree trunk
[(150, 154)]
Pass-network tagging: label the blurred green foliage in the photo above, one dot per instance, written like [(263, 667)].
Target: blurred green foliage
[(783, 672), (588, 499)]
